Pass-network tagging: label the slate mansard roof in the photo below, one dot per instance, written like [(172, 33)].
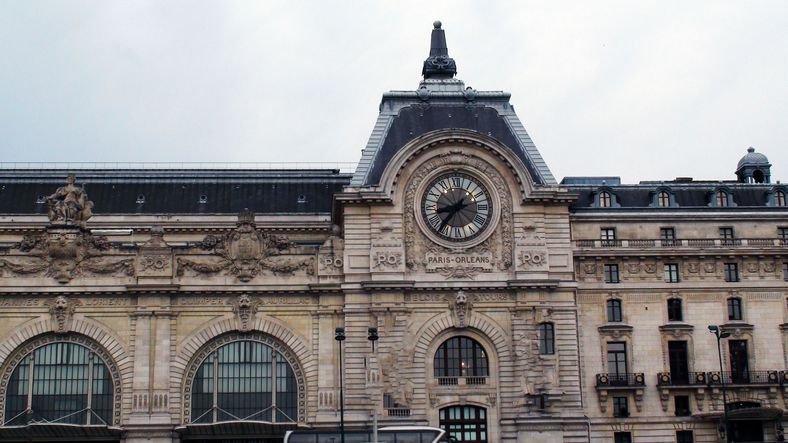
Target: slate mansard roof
[(684, 195), (170, 191)]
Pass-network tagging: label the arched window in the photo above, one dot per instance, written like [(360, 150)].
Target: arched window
[(614, 310), (605, 199), (663, 199), (60, 383), (465, 423), (244, 380), (722, 199), (461, 357), (779, 198), (547, 338)]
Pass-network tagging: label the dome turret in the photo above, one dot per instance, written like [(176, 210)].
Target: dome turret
[(754, 167)]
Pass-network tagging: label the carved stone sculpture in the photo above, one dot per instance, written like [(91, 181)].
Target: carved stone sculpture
[(69, 205), (244, 310), (245, 252), (61, 311)]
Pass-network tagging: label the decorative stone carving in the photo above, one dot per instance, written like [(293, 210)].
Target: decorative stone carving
[(155, 256), (533, 259), (65, 253), (61, 311), (499, 247), (246, 252), (461, 307), (244, 309), (69, 205)]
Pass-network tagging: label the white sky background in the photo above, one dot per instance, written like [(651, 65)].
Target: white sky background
[(646, 90)]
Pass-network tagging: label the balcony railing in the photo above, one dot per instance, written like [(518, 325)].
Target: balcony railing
[(398, 412), (712, 378), (695, 243), (449, 381), (685, 379), (628, 379)]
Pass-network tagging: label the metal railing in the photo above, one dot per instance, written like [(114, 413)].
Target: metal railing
[(450, 381), (711, 378), (624, 379), (695, 243), (398, 412)]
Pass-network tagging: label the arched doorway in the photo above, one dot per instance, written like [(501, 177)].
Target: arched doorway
[(465, 423)]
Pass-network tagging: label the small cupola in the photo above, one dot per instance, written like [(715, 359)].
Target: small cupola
[(754, 167)]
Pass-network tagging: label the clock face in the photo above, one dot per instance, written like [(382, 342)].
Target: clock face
[(456, 207)]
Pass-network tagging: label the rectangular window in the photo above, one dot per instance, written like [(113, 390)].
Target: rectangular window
[(611, 273), (546, 338), (667, 236), (614, 310), (622, 437), (726, 236), (617, 363), (734, 309), (672, 272), (682, 405), (674, 310), (782, 233), (740, 362), (679, 362), (620, 407), (731, 272), (684, 437), (608, 236), (785, 271)]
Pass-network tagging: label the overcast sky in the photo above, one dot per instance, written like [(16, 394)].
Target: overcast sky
[(644, 90)]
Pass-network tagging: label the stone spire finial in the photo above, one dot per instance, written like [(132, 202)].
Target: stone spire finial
[(438, 65)]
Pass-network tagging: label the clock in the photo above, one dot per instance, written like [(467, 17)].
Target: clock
[(456, 207)]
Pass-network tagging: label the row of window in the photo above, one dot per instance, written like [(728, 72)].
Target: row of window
[(664, 199), (681, 437), (671, 272), (668, 235), (675, 309)]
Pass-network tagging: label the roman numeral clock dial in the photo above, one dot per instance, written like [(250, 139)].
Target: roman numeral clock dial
[(456, 207)]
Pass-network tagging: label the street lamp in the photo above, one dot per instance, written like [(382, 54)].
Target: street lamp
[(339, 335), (714, 329)]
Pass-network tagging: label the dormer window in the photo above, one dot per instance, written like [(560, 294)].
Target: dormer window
[(663, 199), (722, 199), (605, 201), (779, 198)]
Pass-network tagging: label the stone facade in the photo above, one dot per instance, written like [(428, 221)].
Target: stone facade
[(155, 293)]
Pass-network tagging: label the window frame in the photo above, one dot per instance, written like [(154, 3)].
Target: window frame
[(682, 436), (779, 198), (671, 273), (681, 413), (615, 310), (721, 198), (622, 437), (735, 309), (605, 199), (607, 236), (546, 338), (620, 406), (782, 235), (675, 309), (611, 273), (453, 353), (731, 271), (663, 199)]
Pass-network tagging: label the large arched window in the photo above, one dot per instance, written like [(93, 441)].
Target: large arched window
[(60, 383), (461, 357), (465, 423), (244, 380)]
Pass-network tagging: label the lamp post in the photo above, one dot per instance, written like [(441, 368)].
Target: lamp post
[(339, 335), (714, 329)]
